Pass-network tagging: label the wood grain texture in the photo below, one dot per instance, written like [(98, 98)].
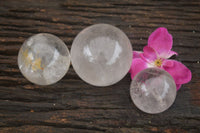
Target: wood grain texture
[(71, 105)]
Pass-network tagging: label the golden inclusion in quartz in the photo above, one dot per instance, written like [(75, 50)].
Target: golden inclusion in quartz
[(43, 59), (153, 90)]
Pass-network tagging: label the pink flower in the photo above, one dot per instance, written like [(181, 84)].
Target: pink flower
[(156, 54)]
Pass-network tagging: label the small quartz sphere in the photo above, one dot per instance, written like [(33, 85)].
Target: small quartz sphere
[(44, 59), (153, 90), (101, 54)]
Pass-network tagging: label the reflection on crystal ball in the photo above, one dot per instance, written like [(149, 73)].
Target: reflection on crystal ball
[(101, 54), (43, 59), (153, 90)]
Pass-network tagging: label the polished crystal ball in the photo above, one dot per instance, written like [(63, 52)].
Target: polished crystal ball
[(101, 54), (44, 59), (153, 90)]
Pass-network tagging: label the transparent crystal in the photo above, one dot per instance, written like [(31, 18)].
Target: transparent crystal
[(153, 90), (101, 54), (43, 59)]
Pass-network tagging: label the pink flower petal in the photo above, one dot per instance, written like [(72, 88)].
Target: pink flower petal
[(178, 86), (161, 41), (168, 63), (179, 72), (136, 54), (149, 54), (137, 66), (170, 54)]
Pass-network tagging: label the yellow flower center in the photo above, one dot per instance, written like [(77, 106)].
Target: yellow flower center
[(158, 62)]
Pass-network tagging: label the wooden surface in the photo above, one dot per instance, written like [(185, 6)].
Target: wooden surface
[(72, 105)]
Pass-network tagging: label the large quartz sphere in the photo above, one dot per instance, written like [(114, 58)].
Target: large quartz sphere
[(153, 90), (43, 59), (101, 54)]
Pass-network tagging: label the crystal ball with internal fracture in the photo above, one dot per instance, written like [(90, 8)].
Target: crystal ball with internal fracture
[(101, 54), (43, 59), (153, 90)]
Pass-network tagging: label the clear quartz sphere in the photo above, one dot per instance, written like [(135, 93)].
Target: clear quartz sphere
[(101, 54), (153, 90), (43, 59)]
